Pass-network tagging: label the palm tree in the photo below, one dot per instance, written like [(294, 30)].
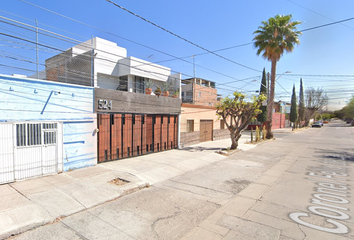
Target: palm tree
[(273, 38)]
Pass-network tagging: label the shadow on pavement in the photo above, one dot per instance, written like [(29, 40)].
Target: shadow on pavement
[(200, 149), (343, 154)]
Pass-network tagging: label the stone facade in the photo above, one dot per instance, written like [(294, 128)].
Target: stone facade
[(128, 102)]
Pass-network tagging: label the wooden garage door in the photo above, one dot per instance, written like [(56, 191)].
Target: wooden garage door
[(206, 130)]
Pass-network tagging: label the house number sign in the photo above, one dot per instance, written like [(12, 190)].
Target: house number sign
[(104, 104)]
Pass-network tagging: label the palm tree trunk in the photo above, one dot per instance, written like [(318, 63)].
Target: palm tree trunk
[(271, 100)]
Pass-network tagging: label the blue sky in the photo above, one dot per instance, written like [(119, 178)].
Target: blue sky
[(323, 59)]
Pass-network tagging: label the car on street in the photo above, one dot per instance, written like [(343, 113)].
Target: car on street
[(317, 124)]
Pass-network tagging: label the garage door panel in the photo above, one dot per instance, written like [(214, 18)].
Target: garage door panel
[(206, 130)]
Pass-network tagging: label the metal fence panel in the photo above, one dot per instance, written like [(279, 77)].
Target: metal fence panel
[(6, 153)]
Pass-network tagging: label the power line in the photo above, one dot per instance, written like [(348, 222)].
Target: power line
[(328, 24), (319, 75), (182, 38), (64, 38), (317, 13), (126, 39)]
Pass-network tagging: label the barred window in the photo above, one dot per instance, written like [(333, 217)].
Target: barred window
[(28, 134), (50, 125), (50, 138), (50, 134)]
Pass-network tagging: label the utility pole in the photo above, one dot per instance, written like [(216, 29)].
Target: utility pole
[(37, 73), (193, 65)]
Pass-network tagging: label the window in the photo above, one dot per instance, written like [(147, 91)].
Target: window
[(49, 133), (30, 134), (50, 137), (222, 124), (190, 125), (138, 84), (123, 83)]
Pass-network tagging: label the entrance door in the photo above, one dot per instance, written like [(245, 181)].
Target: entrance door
[(206, 130), (49, 148), (36, 151)]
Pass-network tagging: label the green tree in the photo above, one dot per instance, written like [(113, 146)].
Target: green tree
[(274, 37), (293, 109), (239, 112), (262, 117), (340, 113), (349, 109), (301, 104)]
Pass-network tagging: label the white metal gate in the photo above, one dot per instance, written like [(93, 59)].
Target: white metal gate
[(28, 150), (6, 153)]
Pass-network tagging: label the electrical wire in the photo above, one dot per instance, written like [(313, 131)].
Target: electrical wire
[(317, 13), (182, 38), (126, 39)]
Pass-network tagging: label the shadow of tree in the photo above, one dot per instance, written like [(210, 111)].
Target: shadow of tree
[(200, 149), (343, 154), (338, 126)]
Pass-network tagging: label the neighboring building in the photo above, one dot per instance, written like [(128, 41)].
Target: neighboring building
[(46, 128), (199, 91), (199, 122), (279, 116), (130, 122)]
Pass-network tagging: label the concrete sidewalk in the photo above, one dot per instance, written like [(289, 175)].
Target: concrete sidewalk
[(31, 203)]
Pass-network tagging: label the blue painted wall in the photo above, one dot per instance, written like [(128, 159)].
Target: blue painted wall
[(24, 99)]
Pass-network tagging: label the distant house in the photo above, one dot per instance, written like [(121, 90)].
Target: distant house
[(129, 121), (279, 116), (46, 128), (199, 122)]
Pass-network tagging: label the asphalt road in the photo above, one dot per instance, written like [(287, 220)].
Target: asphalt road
[(311, 198)]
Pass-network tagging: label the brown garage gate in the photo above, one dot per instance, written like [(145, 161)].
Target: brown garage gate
[(206, 130), (128, 135)]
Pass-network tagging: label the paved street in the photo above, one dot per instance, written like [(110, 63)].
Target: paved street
[(297, 187)]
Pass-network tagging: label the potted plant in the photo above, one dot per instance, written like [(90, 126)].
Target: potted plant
[(176, 93), (158, 91), (148, 86), (165, 88)]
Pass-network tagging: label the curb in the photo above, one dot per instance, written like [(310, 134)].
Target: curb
[(129, 189)]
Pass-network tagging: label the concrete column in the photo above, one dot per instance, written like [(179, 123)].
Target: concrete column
[(130, 83)]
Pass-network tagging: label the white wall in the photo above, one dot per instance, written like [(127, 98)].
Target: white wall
[(139, 67), (25, 99), (106, 55)]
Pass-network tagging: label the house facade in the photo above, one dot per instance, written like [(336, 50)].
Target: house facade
[(129, 121), (46, 128), (199, 122)]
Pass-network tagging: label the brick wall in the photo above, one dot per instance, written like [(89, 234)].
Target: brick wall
[(278, 120), (204, 95), (221, 134), (189, 138), (192, 138)]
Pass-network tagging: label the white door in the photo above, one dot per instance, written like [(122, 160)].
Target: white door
[(36, 149), (50, 148)]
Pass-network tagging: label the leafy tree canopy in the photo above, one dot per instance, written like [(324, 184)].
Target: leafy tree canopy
[(237, 113)]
